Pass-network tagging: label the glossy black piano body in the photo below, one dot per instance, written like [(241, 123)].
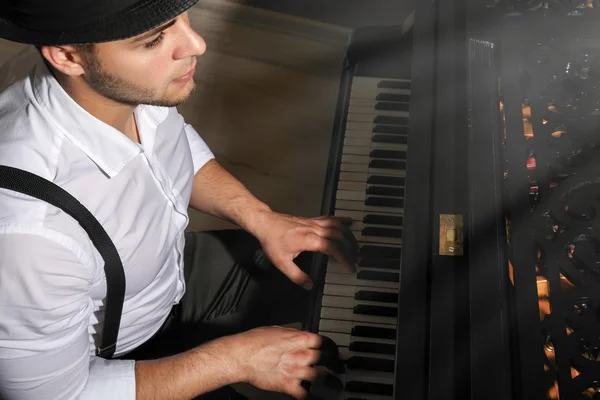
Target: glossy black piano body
[(503, 132)]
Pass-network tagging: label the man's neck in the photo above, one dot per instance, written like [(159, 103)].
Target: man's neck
[(119, 116)]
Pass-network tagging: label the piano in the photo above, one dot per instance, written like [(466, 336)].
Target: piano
[(465, 149)]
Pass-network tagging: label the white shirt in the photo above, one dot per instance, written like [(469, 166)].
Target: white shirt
[(52, 280)]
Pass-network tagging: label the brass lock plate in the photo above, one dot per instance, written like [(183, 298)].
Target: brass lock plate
[(451, 235)]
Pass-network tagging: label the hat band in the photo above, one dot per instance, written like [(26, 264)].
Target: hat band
[(44, 16)]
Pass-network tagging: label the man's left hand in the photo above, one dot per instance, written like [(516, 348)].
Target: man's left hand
[(284, 237)]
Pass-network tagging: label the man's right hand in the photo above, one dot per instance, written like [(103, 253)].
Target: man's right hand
[(275, 358)]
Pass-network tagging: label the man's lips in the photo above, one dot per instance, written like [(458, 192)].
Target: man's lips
[(188, 75)]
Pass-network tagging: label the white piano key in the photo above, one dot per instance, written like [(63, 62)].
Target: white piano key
[(362, 139), (384, 245), (388, 146), (352, 280), (354, 107), (358, 92), (369, 376), (363, 134), (360, 237), (362, 126), (360, 206), (367, 142), (328, 394), (347, 185), (350, 302), (351, 167), (337, 326), (350, 195), (361, 110), (350, 290), (344, 339), (360, 215), (359, 195), (357, 150), (340, 269), (359, 225), (374, 80), (362, 187), (346, 314), (368, 81), (367, 134), (370, 92), (364, 396), (363, 159), (358, 115), (360, 142), (356, 159), (372, 102), (353, 176), (345, 354)]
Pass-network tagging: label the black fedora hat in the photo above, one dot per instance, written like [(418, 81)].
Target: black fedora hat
[(72, 22)]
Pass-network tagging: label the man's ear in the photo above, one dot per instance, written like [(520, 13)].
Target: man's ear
[(65, 59)]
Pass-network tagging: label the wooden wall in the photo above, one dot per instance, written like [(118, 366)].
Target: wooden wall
[(348, 13)]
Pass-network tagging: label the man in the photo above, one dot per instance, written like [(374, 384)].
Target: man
[(93, 110)]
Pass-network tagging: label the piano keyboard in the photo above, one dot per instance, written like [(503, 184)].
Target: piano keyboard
[(359, 310)]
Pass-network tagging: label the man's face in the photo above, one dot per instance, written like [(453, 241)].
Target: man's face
[(148, 68)]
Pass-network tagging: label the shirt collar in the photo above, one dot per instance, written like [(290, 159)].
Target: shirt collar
[(106, 146)]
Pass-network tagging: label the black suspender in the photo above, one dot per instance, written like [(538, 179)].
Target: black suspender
[(33, 185)]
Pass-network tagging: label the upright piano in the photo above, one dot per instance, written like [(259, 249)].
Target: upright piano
[(466, 151)]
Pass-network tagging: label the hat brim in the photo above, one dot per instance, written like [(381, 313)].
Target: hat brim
[(135, 20)]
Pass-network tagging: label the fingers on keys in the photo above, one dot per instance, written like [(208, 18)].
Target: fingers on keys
[(343, 253)]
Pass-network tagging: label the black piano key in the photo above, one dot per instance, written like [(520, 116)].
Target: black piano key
[(391, 129), (378, 276), (382, 232), (377, 311), (368, 347), (369, 295), (329, 381), (395, 154), (374, 332), (370, 364), (385, 180), (351, 398), (391, 106), (378, 252), (385, 191), (382, 263), (402, 98), (385, 84), (387, 120), (387, 164), (382, 389), (384, 202), (382, 219), (378, 138)]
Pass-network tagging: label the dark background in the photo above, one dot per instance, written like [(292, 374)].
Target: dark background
[(347, 13)]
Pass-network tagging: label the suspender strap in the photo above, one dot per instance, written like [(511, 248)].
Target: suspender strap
[(30, 184)]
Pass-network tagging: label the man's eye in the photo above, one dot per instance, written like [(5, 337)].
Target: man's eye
[(155, 42)]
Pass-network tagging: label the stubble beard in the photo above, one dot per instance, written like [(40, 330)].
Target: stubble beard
[(126, 92)]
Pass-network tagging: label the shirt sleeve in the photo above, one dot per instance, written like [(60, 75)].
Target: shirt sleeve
[(45, 343), (201, 154)]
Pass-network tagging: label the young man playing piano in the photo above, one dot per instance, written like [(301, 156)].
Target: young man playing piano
[(93, 111)]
